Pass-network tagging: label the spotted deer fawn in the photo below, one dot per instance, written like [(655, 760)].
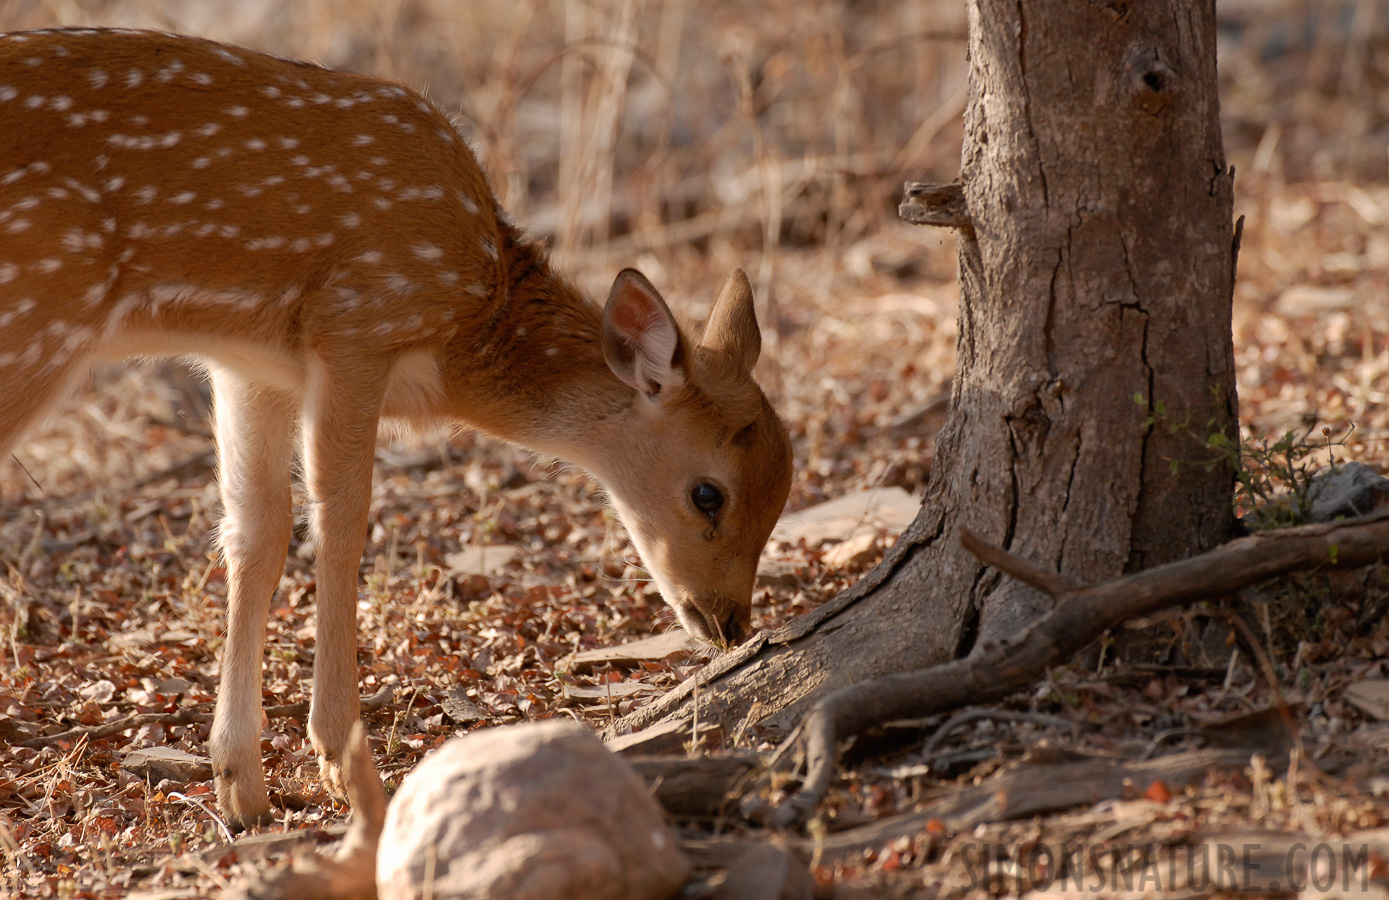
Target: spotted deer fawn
[(326, 246)]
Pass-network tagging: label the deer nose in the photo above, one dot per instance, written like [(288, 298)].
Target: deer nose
[(732, 628)]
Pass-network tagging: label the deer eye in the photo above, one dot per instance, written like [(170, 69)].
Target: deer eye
[(706, 498)]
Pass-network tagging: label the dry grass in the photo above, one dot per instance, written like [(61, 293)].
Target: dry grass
[(684, 138)]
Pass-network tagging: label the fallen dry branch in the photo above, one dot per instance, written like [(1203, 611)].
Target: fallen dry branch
[(1080, 614), (107, 729), (1032, 790), (700, 786), (184, 717)]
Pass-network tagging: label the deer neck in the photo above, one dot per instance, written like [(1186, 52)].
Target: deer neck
[(531, 369)]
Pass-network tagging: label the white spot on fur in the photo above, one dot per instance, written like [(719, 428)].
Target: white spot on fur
[(95, 294), (22, 308), (428, 251), (398, 283), (75, 240), (350, 220)]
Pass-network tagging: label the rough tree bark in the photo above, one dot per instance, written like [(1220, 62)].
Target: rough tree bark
[(1095, 356)]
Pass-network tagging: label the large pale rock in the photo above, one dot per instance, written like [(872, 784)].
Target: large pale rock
[(527, 812)]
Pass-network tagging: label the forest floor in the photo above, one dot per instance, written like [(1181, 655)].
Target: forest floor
[(111, 594)]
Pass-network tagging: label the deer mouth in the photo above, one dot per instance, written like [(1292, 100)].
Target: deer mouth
[(723, 624)]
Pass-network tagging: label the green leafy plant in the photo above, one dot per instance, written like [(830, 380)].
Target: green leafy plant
[(1274, 476)]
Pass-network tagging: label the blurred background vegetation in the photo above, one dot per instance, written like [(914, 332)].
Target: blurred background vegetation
[(689, 136)]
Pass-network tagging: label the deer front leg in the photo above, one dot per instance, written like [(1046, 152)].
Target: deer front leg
[(341, 411), (255, 446)]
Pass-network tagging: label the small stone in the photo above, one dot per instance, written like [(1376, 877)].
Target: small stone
[(460, 709), (1347, 490), (157, 764), (853, 554)]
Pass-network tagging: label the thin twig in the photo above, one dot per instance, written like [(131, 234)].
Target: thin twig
[(970, 715)]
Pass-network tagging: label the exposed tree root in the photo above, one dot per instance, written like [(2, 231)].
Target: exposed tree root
[(1080, 614)]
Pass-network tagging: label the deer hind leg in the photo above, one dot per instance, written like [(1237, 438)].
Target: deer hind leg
[(255, 442), (28, 395), (39, 362), (341, 410)]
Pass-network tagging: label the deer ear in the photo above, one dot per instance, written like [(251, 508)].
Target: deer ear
[(641, 341), (732, 326)]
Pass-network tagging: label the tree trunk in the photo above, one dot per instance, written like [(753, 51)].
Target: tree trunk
[(1095, 355)]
